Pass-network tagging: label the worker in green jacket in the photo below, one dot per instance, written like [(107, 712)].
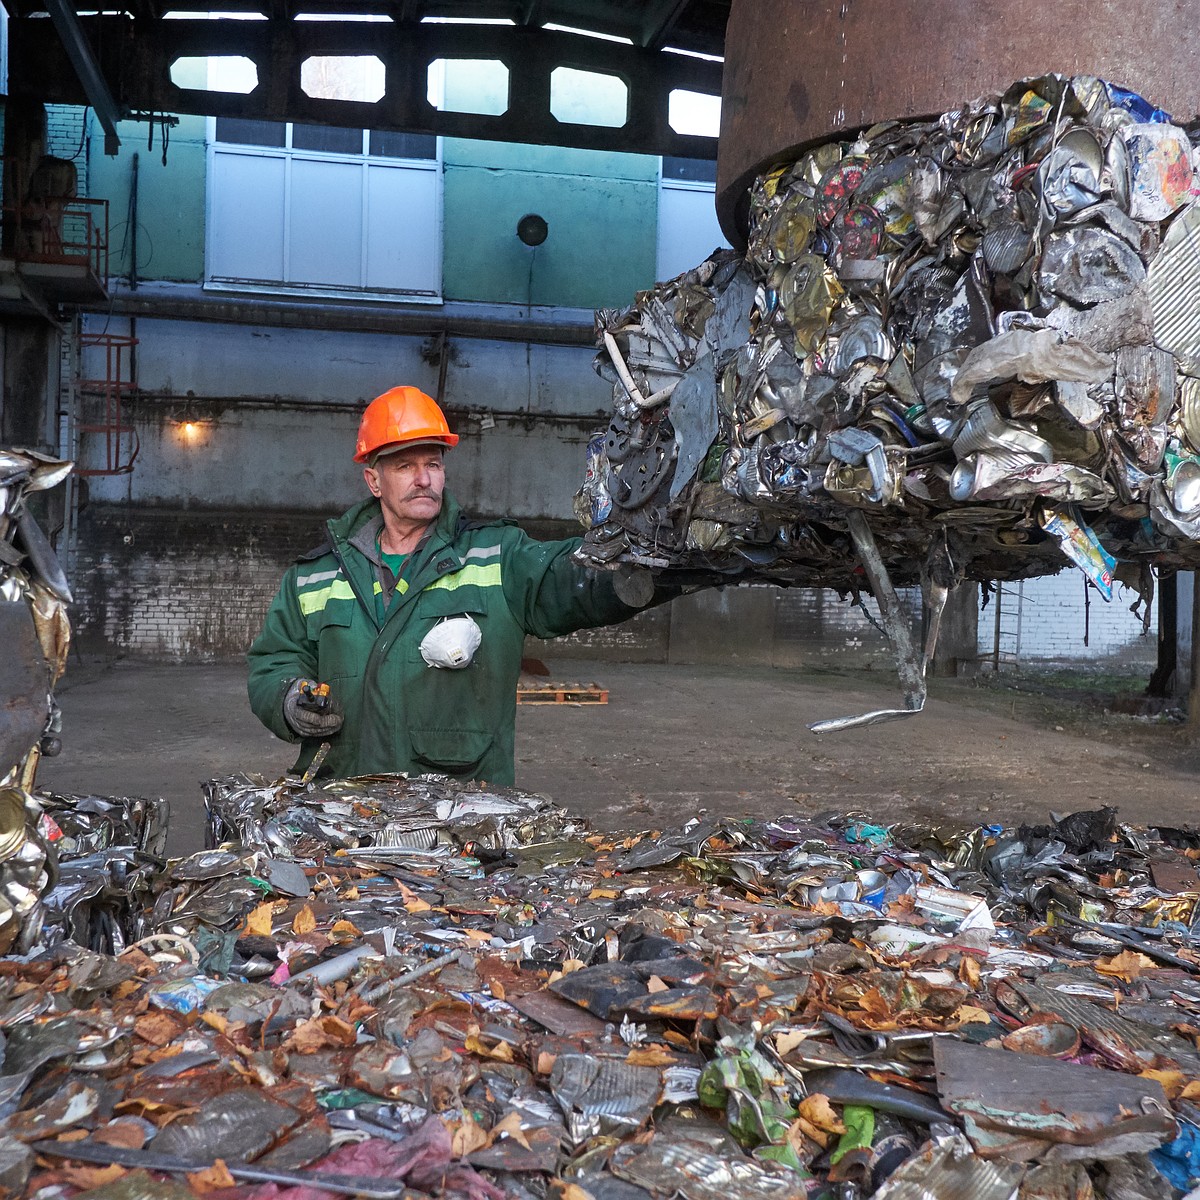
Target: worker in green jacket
[(398, 642)]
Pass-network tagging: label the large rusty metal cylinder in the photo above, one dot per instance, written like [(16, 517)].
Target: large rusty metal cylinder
[(799, 71)]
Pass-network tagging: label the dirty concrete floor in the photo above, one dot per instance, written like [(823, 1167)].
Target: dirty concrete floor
[(674, 742)]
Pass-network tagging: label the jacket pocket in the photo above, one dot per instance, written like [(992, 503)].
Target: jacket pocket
[(338, 647), (335, 617), (436, 607), (451, 750), (437, 603)]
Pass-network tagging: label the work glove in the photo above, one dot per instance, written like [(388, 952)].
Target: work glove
[(310, 710)]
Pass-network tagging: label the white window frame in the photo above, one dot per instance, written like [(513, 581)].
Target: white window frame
[(668, 184), (3, 50), (213, 147)]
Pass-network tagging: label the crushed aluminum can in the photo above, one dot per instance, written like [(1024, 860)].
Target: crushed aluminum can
[(1082, 546), (726, 1009), (1160, 166)]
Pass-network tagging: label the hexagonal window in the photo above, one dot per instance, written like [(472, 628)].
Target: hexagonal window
[(357, 77), (219, 73), (468, 85), (694, 112), (588, 98)]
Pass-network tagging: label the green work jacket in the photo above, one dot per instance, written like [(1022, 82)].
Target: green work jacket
[(400, 714)]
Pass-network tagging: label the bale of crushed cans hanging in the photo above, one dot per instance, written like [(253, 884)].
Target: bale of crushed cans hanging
[(395, 988), (34, 637), (962, 348)]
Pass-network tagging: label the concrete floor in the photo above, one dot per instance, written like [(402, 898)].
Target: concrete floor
[(673, 742)]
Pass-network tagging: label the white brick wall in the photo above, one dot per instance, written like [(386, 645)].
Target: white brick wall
[(64, 139), (1052, 622)]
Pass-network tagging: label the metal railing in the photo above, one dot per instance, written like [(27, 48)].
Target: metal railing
[(61, 230)]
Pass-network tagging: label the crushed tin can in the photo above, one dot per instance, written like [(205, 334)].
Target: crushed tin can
[(803, 1007)]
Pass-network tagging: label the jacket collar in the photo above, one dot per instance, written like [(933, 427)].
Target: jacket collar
[(365, 539), (368, 513), (357, 528)]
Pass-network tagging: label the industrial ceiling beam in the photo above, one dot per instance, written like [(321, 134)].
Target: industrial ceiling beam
[(659, 20), (138, 59), (95, 87)]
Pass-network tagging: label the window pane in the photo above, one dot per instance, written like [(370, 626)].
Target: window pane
[(687, 229), (249, 133), (403, 231), (220, 73), (388, 144), (343, 77), (588, 98), (468, 85), (694, 112), (702, 170), (247, 217), (329, 139), (326, 200)]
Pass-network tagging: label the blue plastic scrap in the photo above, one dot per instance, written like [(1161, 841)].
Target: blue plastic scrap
[(876, 835), (1179, 1160), (1137, 105)]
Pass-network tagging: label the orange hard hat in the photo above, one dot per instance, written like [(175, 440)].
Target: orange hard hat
[(402, 416)]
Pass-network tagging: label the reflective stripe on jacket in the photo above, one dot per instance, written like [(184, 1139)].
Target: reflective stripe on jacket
[(401, 715)]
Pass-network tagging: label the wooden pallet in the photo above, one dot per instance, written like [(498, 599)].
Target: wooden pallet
[(561, 693)]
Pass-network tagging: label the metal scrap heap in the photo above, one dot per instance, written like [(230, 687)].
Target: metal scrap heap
[(34, 636), (395, 988), (967, 347)]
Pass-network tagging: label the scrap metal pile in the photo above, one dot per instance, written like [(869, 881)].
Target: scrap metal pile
[(74, 867), (109, 855), (34, 636), (395, 988), (959, 348)]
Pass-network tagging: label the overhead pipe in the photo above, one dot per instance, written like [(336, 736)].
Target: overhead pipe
[(417, 321)]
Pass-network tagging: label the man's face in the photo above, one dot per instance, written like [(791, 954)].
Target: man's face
[(408, 483)]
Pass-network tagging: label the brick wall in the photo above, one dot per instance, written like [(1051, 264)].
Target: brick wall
[(644, 638), (814, 624), (1052, 622), (65, 139), (1041, 619), (180, 585)]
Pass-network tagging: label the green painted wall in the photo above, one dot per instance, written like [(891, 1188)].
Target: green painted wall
[(601, 210), (170, 239)]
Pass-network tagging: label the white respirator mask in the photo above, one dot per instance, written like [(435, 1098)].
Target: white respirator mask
[(452, 643)]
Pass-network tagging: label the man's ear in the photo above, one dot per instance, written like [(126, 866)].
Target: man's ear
[(372, 479)]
